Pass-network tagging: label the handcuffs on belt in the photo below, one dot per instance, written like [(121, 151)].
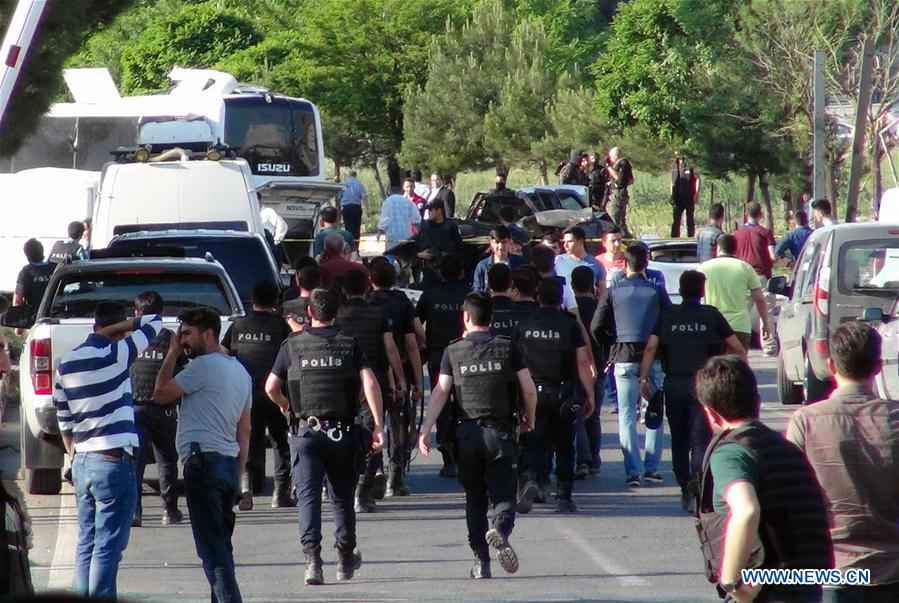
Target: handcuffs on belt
[(335, 434)]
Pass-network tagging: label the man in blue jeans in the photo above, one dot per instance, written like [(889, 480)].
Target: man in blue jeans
[(96, 421), (625, 318), (213, 439)]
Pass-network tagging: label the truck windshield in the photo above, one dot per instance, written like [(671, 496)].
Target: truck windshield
[(870, 267), (77, 295)]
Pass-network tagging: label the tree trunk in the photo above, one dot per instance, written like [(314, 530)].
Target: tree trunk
[(750, 188), (337, 170), (789, 210), (544, 172), (766, 200), (394, 174), (381, 189), (876, 160)]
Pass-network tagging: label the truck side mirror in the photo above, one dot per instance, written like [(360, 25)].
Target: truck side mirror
[(873, 315), (18, 317), (778, 286)]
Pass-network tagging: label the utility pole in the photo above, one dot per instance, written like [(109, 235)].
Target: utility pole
[(858, 142), (820, 133), (18, 38)]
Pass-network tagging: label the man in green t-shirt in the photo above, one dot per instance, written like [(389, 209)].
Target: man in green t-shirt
[(328, 219), (730, 284)]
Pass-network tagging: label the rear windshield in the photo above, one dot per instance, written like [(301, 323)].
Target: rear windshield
[(78, 294), (869, 267), (679, 254), (245, 260)]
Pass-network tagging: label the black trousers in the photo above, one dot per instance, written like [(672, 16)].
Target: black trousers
[(486, 458), (352, 220), (399, 420), (690, 432), (156, 426), (680, 207), (315, 456), (554, 429), (448, 419), (265, 414), (376, 460)]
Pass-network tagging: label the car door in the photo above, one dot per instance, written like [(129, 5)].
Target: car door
[(795, 316)]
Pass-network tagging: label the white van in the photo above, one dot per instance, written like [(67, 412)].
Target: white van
[(40, 203), (182, 195)]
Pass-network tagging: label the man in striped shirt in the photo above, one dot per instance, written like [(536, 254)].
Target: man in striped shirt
[(96, 420)]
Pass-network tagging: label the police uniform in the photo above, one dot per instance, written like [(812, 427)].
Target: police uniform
[(549, 340), (400, 413), (62, 249), (33, 279), (689, 334), (321, 368), (255, 340), (506, 315), (484, 370), (156, 424), (368, 323), (297, 307), (440, 309)]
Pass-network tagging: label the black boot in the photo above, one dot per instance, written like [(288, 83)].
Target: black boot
[(528, 495), (282, 497), (449, 463), (246, 493), (505, 554), (396, 485), (171, 514), (563, 496), (364, 502), (481, 569), (314, 574), (138, 519), (347, 563)]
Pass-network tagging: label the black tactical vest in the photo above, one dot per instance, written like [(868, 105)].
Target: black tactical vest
[(399, 309), (687, 338), (364, 321), (322, 381), (483, 377), (255, 341), (37, 277), (144, 370), (444, 318), (546, 343), (297, 307), (506, 315), (61, 249), (793, 528)]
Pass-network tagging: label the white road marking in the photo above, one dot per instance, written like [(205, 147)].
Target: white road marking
[(62, 568), (621, 573)]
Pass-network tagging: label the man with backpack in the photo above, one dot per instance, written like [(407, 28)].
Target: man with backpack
[(621, 176)]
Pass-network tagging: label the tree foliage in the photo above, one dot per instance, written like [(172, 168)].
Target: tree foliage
[(60, 33)]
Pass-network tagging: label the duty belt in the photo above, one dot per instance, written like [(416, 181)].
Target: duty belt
[(332, 428), (491, 423), (552, 387)]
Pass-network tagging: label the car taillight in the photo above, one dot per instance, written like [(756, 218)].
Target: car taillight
[(42, 367), (822, 290), (821, 347)]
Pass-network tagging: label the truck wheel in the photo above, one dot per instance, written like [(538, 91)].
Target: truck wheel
[(43, 481), (788, 392), (814, 388)]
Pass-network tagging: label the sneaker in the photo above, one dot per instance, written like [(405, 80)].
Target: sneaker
[(653, 476), (170, 516), (582, 471), (505, 554), (246, 501), (529, 493), (379, 486), (633, 481)]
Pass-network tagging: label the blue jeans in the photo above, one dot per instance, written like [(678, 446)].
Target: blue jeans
[(211, 488), (627, 379), (106, 496)]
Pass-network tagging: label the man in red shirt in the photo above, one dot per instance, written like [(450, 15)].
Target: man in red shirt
[(335, 260), (755, 246)]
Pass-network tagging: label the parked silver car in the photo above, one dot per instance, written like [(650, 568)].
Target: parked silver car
[(842, 271)]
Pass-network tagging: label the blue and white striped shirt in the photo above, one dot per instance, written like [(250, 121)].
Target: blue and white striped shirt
[(93, 389)]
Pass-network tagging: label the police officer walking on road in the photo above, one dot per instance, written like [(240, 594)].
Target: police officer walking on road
[(485, 369), (370, 325), (324, 370), (440, 309), (684, 337), (555, 353), (255, 340), (156, 424)]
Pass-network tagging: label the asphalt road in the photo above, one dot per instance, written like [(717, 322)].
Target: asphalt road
[(634, 545)]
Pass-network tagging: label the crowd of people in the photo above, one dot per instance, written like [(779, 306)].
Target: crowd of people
[(521, 355)]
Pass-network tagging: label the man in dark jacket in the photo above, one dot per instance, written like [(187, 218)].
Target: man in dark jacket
[(572, 173)]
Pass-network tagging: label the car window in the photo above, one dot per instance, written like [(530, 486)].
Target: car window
[(675, 254), (569, 199), (77, 295), (807, 268), (867, 267)]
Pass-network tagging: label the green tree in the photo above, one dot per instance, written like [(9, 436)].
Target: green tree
[(197, 35), (62, 30)]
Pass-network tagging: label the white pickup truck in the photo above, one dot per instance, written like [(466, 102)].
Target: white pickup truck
[(64, 319)]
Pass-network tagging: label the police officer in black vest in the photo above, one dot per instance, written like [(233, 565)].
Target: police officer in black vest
[(255, 340), (156, 423), (684, 338), (34, 277), (506, 313), (308, 279), (324, 370), (370, 325), (556, 354), (400, 411), (440, 309), (70, 247), (486, 370)]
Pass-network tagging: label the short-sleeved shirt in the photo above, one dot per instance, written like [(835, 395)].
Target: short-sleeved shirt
[(565, 265), (33, 279), (753, 241), (282, 362), (318, 246), (217, 389), (731, 463), (728, 283), (334, 268), (515, 356), (353, 192), (707, 241)]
